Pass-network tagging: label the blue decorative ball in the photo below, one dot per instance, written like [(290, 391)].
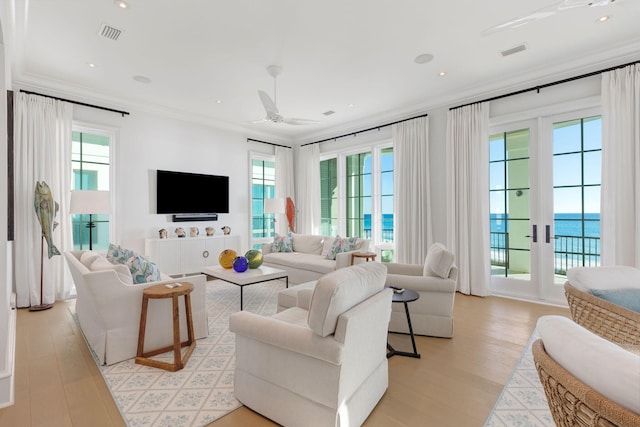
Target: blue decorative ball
[(240, 264)]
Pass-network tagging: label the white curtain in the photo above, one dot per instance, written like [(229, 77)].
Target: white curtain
[(412, 211), (468, 196), (308, 190), (620, 192), (284, 184), (42, 129)]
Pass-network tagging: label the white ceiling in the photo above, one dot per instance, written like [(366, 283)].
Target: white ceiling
[(333, 53)]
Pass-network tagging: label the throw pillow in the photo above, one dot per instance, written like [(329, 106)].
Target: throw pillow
[(282, 243), (88, 257), (123, 272), (119, 255), (341, 245), (143, 270), (628, 298), (438, 262)]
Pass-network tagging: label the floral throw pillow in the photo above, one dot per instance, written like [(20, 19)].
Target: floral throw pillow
[(282, 243), (341, 245), (143, 270), (119, 255)]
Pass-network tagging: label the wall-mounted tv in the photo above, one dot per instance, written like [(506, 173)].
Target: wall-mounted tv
[(191, 193)]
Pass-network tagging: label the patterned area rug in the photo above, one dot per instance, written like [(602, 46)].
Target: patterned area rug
[(522, 401), (203, 391)]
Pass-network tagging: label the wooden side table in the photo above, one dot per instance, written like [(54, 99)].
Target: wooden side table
[(160, 292), (368, 256)]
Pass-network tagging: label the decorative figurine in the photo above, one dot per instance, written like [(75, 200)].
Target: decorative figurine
[(180, 232), (163, 233), (226, 230), (210, 231), (194, 231)]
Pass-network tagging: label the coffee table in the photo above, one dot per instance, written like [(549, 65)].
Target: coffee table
[(405, 297), (246, 278)]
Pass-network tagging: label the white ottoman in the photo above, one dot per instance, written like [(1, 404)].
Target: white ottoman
[(296, 296)]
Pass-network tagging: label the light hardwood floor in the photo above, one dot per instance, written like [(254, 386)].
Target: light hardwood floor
[(455, 383)]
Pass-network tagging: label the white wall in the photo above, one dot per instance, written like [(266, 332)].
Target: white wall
[(147, 142)]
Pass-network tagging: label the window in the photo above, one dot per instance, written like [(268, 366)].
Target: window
[(356, 196), (90, 160), (263, 180), (329, 197)]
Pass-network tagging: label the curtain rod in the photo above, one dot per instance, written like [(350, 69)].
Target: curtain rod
[(537, 88), (265, 142), (76, 102), (364, 130)]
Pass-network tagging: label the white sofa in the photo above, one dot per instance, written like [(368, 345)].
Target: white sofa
[(308, 261), (108, 307), (325, 366)]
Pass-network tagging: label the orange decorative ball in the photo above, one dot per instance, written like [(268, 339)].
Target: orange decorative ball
[(226, 258)]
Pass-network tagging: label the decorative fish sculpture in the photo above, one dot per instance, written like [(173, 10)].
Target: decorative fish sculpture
[(46, 210), (291, 214)]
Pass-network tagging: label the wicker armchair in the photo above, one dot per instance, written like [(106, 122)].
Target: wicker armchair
[(573, 403), (611, 321)]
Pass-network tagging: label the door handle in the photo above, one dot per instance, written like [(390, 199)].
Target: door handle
[(534, 236), (547, 233)]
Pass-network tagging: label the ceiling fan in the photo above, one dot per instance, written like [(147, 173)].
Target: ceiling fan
[(545, 12), (270, 107)]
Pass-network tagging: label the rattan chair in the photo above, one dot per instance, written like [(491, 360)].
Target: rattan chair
[(573, 403), (611, 321)]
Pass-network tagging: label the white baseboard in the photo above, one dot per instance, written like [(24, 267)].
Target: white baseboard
[(7, 377)]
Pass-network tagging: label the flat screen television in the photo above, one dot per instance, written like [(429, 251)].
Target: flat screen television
[(191, 193)]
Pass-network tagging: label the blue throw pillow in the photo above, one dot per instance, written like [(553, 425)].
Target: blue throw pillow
[(340, 244), (143, 270), (119, 255), (628, 298)]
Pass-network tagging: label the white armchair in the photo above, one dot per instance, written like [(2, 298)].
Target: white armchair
[(325, 366), (435, 282)]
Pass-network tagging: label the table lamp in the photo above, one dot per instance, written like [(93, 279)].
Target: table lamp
[(274, 206)]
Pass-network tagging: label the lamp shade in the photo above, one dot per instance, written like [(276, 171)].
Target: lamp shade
[(274, 205), (90, 202)]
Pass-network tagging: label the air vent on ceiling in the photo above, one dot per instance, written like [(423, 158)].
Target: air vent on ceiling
[(109, 32), (328, 113), (516, 49)]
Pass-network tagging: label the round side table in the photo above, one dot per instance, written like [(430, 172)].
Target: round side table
[(405, 297)]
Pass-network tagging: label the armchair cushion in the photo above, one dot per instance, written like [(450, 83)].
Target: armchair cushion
[(629, 298), (439, 261), (101, 264), (88, 257), (340, 290), (604, 277)]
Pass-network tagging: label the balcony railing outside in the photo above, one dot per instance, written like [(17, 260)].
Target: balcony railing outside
[(570, 251)]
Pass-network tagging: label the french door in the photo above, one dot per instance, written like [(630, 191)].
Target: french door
[(544, 202)]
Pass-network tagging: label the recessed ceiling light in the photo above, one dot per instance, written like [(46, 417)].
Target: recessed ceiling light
[(442, 74), (423, 58), (603, 18), (91, 65), (351, 105), (121, 4), (219, 101), (142, 79)]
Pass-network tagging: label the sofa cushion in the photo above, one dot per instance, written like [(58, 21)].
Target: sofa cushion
[(300, 260), (119, 255), (88, 257), (282, 243), (628, 298), (600, 364), (341, 245), (439, 261), (143, 270), (605, 277), (124, 274), (307, 243), (337, 292)]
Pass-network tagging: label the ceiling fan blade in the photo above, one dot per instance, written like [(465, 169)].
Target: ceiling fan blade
[(536, 15), (267, 103), (294, 121), (260, 121)]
